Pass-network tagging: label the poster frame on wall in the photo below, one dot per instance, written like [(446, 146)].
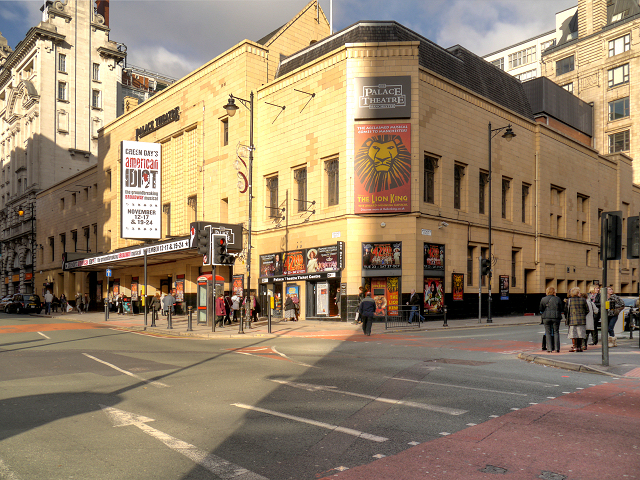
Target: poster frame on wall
[(140, 190), (504, 287), (457, 286), (434, 300), (237, 285)]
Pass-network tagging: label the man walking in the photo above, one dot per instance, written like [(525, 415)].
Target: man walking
[(414, 303), (48, 298), (366, 309), (167, 303)]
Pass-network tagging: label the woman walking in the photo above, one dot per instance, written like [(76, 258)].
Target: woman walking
[(577, 310), (592, 321), (551, 308), (289, 309)]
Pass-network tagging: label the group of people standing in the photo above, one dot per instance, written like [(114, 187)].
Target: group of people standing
[(228, 308), (582, 313)]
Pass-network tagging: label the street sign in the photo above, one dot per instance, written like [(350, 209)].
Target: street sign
[(108, 272)]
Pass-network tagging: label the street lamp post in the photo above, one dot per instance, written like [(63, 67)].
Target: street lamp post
[(508, 135), (231, 109), (21, 213)]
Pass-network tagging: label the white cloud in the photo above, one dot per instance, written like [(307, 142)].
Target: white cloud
[(159, 59)]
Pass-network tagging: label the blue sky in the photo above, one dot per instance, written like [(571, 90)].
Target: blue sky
[(176, 36)]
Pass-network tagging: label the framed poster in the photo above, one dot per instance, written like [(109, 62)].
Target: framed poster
[(381, 256), (433, 295), (379, 295), (382, 180), (434, 257), (322, 298), (180, 290), (140, 190), (134, 291), (393, 296), (457, 286), (237, 285), (294, 292), (294, 263), (504, 287)]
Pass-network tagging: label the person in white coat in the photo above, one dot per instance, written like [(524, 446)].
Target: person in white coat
[(591, 326)]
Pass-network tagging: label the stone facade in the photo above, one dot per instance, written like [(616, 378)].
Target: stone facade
[(56, 90)]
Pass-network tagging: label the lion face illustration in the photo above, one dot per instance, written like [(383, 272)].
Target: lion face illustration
[(382, 163)]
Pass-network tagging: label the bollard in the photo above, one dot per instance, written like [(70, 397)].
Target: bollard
[(106, 310), (445, 317), (154, 314), (169, 323), (190, 319)]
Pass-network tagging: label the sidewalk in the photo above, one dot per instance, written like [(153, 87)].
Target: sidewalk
[(624, 360)]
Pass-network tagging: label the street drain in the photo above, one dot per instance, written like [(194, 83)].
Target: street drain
[(551, 476), (494, 469)]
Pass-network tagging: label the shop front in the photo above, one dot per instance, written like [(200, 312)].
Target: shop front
[(310, 276)]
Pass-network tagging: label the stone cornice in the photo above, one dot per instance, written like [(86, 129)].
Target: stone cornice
[(111, 53)]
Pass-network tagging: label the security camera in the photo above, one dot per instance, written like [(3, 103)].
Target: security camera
[(444, 224)]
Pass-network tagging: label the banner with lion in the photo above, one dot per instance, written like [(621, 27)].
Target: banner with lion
[(383, 168)]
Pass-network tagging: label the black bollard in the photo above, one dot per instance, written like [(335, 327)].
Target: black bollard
[(154, 314), (190, 319), (445, 317), (169, 323), (106, 310)]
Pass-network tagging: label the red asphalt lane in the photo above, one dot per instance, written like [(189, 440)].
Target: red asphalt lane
[(592, 434)]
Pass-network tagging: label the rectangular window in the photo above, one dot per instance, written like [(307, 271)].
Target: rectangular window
[(300, 177), (272, 187), (86, 239), (225, 132), (62, 62), (52, 248), (528, 75), (96, 72), (619, 108), (525, 203), (470, 265), (565, 65), (547, 44), (619, 75), (74, 240), (166, 219), (458, 175), (620, 45), (483, 184), (95, 99), (430, 164), (514, 261), (619, 142), (62, 204), (62, 91), (332, 167), (74, 198), (522, 57), (63, 242), (506, 186), (619, 16), (568, 87), (498, 62), (192, 208)]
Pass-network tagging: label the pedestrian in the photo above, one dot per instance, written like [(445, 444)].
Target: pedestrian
[(289, 309), (576, 315), (227, 308), (257, 309), (55, 304), (79, 303), (156, 304), (616, 305), (86, 303), (367, 308), (551, 308), (361, 296), (296, 305), (48, 299), (414, 302), (63, 303), (167, 303), (120, 304), (110, 299), (592, 322), (235, 306), (220, 310)]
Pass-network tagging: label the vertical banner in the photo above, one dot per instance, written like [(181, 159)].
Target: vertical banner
[(116, 287), (392, 295), (379, 294), (504, 287), (457, 286), (140, 190), (134, 291), (382, 180), (433, 295), (180, 289), (322, 298), (237, 285)]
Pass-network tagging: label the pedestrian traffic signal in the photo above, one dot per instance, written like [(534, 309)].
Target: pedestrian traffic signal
[(612, 235), (486, 266), (204, 245)]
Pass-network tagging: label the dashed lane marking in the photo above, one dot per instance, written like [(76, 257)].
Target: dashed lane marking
[(155, 384), (457, 386), (348, 431), (40, 333)]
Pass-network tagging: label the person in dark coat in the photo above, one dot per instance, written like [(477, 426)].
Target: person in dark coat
[(414, 302), (367, 308), (551, 308)]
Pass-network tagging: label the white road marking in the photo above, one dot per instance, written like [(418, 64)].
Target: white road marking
[(494, 416), (6, 473), (424, 406), (515, 380), (414, 443), (216, 465), (458, 386), (471, 424), (445, 433), (155, 384), (40, 333), (348, 431), (379, 455)]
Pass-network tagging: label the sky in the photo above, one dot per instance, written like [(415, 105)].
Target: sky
[(174, 37)]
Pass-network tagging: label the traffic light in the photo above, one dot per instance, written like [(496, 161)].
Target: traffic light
[(486, 266), (219, 249), (204, 245), (633, 237), (612, 233)]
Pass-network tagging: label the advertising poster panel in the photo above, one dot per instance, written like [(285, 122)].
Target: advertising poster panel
[(238, 285), (294, 292), (140, 191), (457, 286), (322, 259), (434, 257), (382, 179), (504, 287), (180, 290), (116, 288), (134, 291), (294, 263), (380, 256), (393, 296), (322, 298), (379, 295), (433, 295)]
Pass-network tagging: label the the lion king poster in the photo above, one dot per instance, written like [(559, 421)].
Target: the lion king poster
[(383, 168)]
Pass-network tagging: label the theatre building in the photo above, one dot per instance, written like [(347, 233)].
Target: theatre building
[(370, 168)]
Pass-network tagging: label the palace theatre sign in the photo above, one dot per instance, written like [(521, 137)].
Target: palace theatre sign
[(172, 115)]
